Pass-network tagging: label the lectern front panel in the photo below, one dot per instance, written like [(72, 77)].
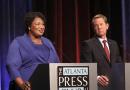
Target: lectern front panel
[(73, 76), (127, 76)]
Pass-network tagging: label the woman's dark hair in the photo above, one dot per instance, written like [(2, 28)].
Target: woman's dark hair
[(30, 16)]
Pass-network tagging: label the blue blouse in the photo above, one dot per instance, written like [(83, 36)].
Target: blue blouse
[(24, 56)]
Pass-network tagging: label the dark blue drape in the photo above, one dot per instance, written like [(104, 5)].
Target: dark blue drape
[(126, 28), (11, 25)]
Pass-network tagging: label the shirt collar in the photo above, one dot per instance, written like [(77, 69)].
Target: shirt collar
[(100, 39)]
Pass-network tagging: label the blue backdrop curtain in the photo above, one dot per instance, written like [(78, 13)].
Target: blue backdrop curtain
[(126, 28), (11, 25)]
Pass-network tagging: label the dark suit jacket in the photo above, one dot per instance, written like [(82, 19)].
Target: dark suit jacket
[(92, 51)]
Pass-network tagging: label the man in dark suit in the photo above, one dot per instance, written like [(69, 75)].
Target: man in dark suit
[(102, 51)]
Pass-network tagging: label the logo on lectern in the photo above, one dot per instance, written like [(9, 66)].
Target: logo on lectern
[(73, 77)]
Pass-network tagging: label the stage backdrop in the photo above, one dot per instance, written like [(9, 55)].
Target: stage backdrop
[(126, 29), (68, 23)]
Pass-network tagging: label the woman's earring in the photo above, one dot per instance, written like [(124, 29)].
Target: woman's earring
[(29, 28)]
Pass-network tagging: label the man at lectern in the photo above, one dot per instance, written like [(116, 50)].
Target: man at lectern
[(101, 50), (29, 50)]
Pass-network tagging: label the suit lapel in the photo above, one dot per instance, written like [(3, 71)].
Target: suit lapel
[(111, 49)]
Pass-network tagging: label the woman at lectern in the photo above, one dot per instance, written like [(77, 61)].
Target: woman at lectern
[(29, 50)]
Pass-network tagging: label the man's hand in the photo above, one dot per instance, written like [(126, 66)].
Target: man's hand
[(103, 80)]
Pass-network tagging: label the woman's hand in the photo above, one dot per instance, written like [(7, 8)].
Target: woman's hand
[(22, 84), (26, 86)]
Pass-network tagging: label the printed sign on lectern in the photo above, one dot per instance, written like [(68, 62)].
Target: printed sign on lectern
[(72, 76)]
